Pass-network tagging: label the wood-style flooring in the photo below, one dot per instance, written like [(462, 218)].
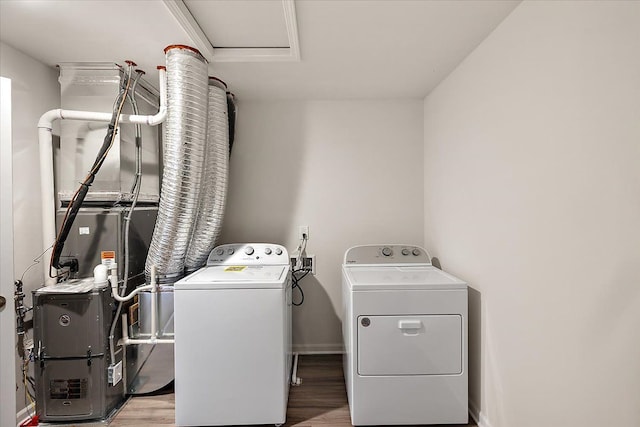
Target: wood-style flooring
[(321, 399)]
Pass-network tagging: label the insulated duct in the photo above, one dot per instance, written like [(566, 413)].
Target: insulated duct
[(183, 151), (213, 194)]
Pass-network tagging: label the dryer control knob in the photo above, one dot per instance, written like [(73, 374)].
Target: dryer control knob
[(278, 251), (219, 251), (248, 250), (267, 251), (416, 252), (386, 251), (230, 251), (405, 251)]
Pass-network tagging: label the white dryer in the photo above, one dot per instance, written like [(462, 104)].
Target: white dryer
[(405, 337), (233, 338)]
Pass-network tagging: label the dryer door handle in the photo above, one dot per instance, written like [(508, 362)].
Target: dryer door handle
[(409, 324)]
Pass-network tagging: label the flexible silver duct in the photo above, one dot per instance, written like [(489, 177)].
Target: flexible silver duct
[(214, 191), (183, 156)]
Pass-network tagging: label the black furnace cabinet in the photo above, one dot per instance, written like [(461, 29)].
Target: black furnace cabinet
[(71, 342)]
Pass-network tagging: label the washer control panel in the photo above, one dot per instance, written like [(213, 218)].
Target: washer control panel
[(248, 254), (386, 254)]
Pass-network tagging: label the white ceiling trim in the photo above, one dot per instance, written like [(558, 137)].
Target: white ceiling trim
[(226, 54), (291, 22), (188, 23), (254, 54)]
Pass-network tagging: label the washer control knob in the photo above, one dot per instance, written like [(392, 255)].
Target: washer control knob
[(405, 251), (416, 251), (278, 251), (267, 251), (386, 251), (230, 251), (219, 251), (248, 250)]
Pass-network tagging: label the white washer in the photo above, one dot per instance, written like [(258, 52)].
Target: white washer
[(233, 338), (405, 336)]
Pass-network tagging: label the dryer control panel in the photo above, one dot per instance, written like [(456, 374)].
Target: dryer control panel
[(248, 254), (386, 254)]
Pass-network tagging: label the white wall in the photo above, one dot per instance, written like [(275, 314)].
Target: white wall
[(532, 194), (350, 170), (34, 90)]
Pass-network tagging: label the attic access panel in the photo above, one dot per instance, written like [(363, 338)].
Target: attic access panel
[(238, 24), (240, 31)]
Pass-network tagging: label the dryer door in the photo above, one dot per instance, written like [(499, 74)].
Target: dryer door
[(410, 345)]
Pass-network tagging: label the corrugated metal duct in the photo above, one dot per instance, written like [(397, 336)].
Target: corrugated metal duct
[(184, 152), (214, 192)]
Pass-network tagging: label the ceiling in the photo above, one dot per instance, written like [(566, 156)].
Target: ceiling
[(347, 49)]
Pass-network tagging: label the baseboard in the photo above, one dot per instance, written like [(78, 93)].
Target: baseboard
[(318, 348), (25, 413), (477, 415)]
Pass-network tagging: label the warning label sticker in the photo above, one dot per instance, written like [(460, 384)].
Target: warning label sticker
[(235, 268), (108, 257)]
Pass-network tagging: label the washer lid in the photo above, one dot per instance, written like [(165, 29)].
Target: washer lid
[(400, 278), (236, 277)]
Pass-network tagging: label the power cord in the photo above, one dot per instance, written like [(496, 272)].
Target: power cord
[(299, 272), (296, 285)]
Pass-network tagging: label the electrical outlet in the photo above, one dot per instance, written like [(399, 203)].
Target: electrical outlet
[(308, 263), (303, 231)]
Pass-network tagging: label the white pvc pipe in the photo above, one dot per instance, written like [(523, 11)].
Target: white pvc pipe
[(295, 380), (154, 313), (45, 139), (114, 291), (154, 303), (130, 341), (113, 279), (48, 202), (126, 340)]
